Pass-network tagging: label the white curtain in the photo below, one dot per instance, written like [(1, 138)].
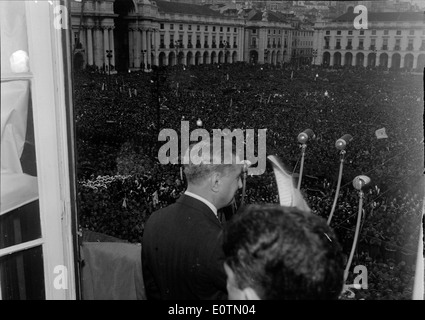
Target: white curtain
[(14, 112), (13, 28), (17, 188)]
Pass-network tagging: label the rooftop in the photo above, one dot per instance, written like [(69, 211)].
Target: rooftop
[(186, 8), (384, 16), (273, 16)]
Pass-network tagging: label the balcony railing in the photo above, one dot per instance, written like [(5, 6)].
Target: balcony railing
[(213, 45), (198, 45), (396, 48), (235, 45), (409, 48), (327, 47), (349, 47), (372, 48), (162, 46), (360, 48), (171, 45), (206, 45), (269, 45), (279, 45), (274, 45), (337, 47), (384, 47), (253, 45)]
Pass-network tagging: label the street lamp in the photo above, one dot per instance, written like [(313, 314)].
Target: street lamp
[(109, 56), (314, 56), (266, 54), (143, 59), (225, 50), (158, 76), (374, 51), (176, 47)]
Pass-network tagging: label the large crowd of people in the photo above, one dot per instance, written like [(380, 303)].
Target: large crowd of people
[(126, 109)]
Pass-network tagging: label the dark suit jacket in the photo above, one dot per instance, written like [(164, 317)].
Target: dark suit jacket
[(182, 257)]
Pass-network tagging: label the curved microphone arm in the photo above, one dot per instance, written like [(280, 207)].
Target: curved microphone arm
[(303, 147), (356, 235), (342, 154), (243, 187)]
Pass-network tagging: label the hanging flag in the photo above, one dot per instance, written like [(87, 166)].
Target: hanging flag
[(381, 134), (181, 173)]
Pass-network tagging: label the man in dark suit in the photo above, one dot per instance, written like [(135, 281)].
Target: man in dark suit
[(182, 255)]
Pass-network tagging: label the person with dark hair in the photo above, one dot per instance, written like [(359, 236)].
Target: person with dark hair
[(276, 253), (182, 255)]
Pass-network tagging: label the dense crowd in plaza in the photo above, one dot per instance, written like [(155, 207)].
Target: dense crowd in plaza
[(119, 174)]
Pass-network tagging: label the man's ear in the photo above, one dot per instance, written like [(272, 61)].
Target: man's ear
[(250, 294), (215, 180), (234, 292)]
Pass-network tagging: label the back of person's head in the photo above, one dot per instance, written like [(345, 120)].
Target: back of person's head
[(274, 252), (202, 159)]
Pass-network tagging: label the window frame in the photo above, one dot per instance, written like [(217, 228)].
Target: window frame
[(50, 94)]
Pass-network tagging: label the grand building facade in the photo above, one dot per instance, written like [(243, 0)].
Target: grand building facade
[(392, 40), (135, 34)]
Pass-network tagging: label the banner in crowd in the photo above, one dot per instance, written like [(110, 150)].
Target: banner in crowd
[(381, 134)]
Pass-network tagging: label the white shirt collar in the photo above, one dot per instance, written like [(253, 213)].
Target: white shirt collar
[(209, 204)]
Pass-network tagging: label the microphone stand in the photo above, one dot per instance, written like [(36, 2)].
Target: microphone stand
[(245, 173), (356, 235), (303, 147), (342, 154)]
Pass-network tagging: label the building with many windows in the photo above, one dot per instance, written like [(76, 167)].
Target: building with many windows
[(129, 34), (392, 40), (302, 44)]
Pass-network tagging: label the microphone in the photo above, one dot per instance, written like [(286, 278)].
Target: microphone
[(342, 142), (246, 163), (305, 135), (360, 181)]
